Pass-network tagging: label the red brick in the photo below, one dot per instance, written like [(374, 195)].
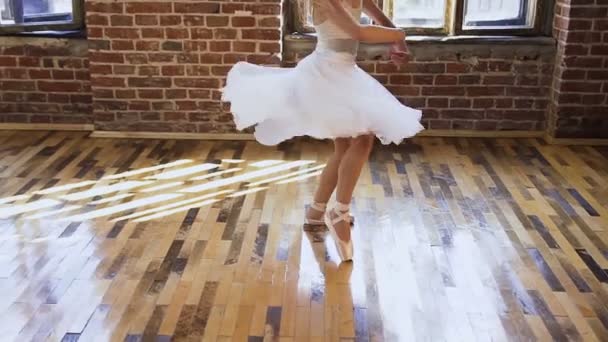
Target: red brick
[(583, 37), (161, 57), (220, 70), (460, 103), (152, 33), (219, 46), (150, 93), (139, 105), (485, 91), (96, 19), (150, 116), (232, 7), (581, 87), (147, 45), (124, 45), (423, 79), (29, 61), (186, 105), (197, 82), (522, 115), (438, 102), (81, 98), (146, 20), (527, 80), (494, 79), (224, 34), (103, 93), (462, 114), (243, 46), (121, 20), (400, 79), (594, 99), (186, 58), (485, 125), (196, 7), (443, 91), (172, 70), (124, 69), (198, 70), (176, 93), (12, 50), (106, 57), (103, 7), (576, 50), (243, 21), (598, 75), (63, 74), (149, 82), (38, 74), (525, 91), (446, 80), (15, 73), (599, 50), (499, 66), (269, 47), (99, 81), (524, 103), (469, 79), (457, 68), (177, 33), (261, 34), (429, 68), (266, 9), (122, 33), (588, 12), (170, 20), (149, 7), (18, 85), (569, 98), (217, 21), (94, 32), (199, 94), (125, 93), (64, 87), (201, 33), (483, 103), (148, 70), (136, 58)]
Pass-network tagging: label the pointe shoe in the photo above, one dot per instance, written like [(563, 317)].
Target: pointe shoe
[(345, 248), (322, 207)]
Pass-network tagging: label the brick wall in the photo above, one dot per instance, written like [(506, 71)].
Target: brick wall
[(462, 86), (579, 103), (158, 66), (44, 81)]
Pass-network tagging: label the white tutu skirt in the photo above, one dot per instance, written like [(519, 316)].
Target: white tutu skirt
[(326, 96)]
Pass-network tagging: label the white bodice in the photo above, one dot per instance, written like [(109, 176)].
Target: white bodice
[(331, 37)]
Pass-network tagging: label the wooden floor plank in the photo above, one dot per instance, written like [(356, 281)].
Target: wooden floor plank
[(455, 240)]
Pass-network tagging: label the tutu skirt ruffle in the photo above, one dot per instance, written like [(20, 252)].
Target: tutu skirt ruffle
[(326, 96)]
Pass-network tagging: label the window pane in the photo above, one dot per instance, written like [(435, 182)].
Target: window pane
[(24, 12), (419, 13), (499, 13)]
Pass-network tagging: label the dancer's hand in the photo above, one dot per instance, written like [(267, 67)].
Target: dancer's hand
[(399, 53)]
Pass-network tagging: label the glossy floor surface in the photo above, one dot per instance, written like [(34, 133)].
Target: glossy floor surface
[(456, 240)]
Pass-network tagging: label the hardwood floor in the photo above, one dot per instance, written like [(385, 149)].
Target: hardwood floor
[(455, 239)]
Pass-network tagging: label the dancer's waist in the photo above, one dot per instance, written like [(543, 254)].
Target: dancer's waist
[(340, 48)]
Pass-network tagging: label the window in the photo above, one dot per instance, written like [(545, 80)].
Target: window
[(456, 17), (18, 16)]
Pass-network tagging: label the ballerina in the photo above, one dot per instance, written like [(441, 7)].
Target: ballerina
[(327, 96)]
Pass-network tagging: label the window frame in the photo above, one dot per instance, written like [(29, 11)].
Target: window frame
[(537, 29), (453, 21), (448, 19), (77, 23)]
